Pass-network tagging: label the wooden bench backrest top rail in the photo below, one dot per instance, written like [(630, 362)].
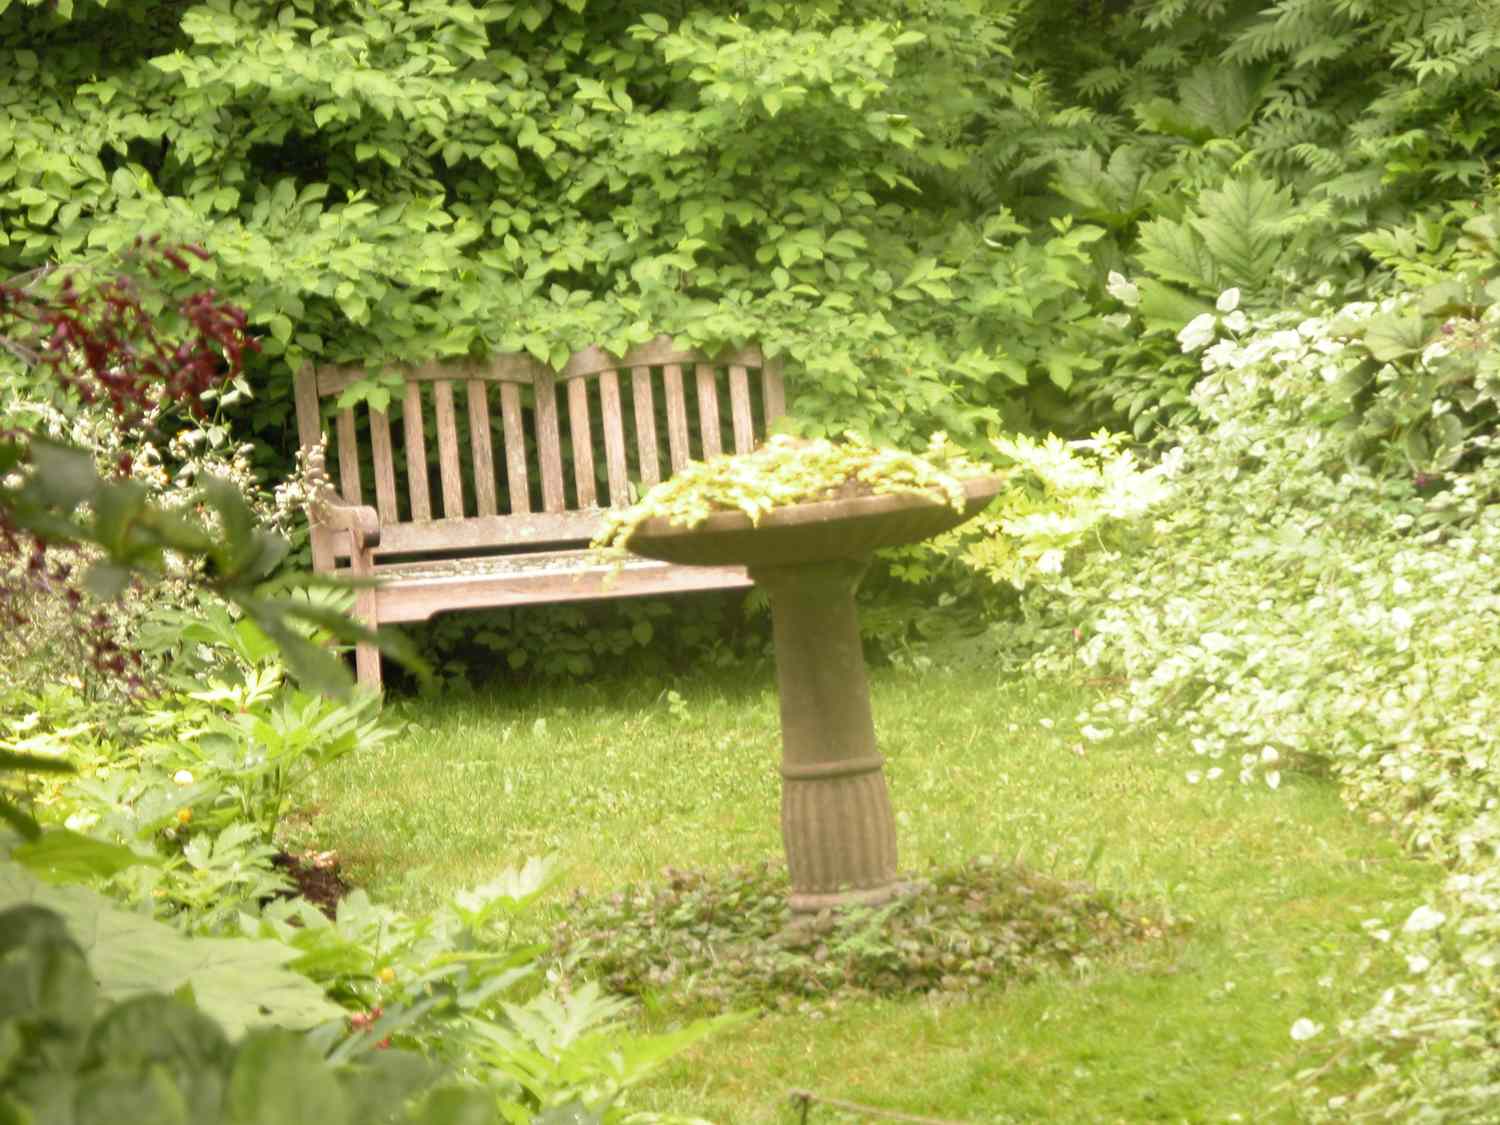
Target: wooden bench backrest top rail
[(524, 497)]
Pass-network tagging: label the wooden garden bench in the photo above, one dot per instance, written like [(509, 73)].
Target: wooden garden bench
[(494, 504)]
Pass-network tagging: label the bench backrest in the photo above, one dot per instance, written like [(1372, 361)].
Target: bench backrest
[(515, 466)]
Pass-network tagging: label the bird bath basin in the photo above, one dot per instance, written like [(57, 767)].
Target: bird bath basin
[(836, 820)]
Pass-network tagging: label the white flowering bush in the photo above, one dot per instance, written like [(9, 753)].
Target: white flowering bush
[(1064, 498), (51, 634), (1322, 593)]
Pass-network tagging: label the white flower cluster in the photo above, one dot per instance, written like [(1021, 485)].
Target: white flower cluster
[(1292, 607)]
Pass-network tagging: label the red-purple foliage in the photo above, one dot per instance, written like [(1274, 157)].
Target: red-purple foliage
[(103, 337)]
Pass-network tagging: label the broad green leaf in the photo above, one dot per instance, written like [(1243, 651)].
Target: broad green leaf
[(1174, 252), (65, 476), (238, 982), (278, 1079), (1395, 336), (61, 855)]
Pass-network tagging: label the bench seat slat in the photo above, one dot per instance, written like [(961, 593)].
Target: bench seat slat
[(708, 412), (613, 421), (549, 445), (417, 592), (677, 423), (773, 392), (385, 466), (310, 436), (349, 484), (739, 402)]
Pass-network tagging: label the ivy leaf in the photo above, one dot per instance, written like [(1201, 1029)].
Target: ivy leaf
[(1394, 337)]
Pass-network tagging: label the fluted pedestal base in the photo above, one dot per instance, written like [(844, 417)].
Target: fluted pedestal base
[(836, 819)]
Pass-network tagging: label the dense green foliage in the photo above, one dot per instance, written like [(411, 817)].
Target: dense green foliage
[(916, 201), (1270, 223)]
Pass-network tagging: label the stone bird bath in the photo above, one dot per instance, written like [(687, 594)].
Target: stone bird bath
[(836, 820)]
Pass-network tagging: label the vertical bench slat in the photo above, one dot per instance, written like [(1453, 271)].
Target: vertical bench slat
[(708, 411), (515, 448), (310, 434), (385, 466), (677, 424), (739, 401), (549, 444), (613, 421), (773, 392), (479, 447), (447, 439), (645, 426), (416, 453), (583, 443), (349, 486)]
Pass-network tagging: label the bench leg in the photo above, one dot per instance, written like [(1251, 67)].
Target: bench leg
[(367, 666), (366, 656)]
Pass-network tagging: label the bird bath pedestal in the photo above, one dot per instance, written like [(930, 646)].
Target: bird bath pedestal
[(836, 820)]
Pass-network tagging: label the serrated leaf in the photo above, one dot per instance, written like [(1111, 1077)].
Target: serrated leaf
[(1243, 226)]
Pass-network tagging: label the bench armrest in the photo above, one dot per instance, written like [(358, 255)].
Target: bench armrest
[(359, 520)]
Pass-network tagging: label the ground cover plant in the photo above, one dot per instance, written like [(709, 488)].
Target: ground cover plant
[(154, 867), (729, 940)]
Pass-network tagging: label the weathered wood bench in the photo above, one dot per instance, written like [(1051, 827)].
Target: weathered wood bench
[(514, 529)]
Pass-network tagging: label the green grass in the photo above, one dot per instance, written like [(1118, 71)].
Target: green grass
[(622, 779)]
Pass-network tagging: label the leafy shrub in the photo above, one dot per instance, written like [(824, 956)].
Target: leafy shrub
[(381, 184), (706, 941), (1320, 595)]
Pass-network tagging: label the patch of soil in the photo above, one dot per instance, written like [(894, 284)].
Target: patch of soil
[(316, 875)]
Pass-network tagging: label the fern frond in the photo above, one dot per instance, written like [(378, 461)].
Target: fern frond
[(1172, 251), (1244, 225)]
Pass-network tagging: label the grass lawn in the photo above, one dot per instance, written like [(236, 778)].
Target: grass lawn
[(624, 778)]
